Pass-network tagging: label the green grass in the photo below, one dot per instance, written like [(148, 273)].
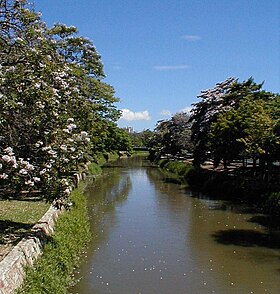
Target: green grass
[(140, 153), (94, 169), (16, 219), (178, 168), (28, 212), (52, 272)]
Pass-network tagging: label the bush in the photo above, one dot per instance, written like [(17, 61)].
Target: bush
[(94, 169), (176, 167), (163, 162)]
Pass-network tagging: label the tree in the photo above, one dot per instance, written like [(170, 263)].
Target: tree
[(141, 139), (224, 138), (173, 137), (223, 98), (55, 110)]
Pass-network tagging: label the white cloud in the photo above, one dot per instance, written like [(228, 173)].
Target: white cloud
[(171, 67), (165, 112), (191, 38), (131, 115)]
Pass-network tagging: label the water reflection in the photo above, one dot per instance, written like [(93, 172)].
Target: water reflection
[(151, 237)]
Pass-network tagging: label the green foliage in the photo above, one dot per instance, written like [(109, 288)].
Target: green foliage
[(236, 120), (94, 169), (52, 271), (214, 113), (178, 168), (172, 137), (162, 162), (141, 139), (56, 112)]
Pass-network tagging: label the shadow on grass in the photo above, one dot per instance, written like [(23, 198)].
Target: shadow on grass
[(12, 232), (248, 238)]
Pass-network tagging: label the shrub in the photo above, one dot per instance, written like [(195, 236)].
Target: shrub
[(94, 169), (163, 162)]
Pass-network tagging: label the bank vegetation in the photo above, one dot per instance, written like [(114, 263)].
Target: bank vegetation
[(230, 141)]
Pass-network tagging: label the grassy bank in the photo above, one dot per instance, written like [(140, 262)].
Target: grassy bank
[(52, 272), (16, 219), (177, 168), (226, 185)]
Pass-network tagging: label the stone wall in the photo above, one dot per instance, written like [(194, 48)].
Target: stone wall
[(26, 252)]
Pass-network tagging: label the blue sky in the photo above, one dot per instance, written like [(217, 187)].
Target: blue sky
[(159, 54)]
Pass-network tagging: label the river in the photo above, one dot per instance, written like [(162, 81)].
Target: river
[(151, 236)]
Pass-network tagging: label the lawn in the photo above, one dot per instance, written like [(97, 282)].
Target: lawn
[(16, 219)]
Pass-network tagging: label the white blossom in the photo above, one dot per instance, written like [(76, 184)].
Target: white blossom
[(18, 39), (71, 127), (84, 134), (30, 167), (63, 147), (43, 171), (23, 171), (14, 162), (70, 120), (66, 131), (9, 151), (29, 183), (3, 176), (67, 191), (40, 105), (38, 144), (6, 158)]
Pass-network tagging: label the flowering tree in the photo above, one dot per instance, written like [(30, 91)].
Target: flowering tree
[(173, 137), (54, 107), (215, 103)]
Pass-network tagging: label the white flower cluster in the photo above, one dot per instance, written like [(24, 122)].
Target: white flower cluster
[(9, 157), (213, 100), (63, 155), (67, 186), (14, 169)]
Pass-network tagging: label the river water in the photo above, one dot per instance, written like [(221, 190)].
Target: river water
[(151, 236)]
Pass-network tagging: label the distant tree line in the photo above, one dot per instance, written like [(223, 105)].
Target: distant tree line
[(56, 112)]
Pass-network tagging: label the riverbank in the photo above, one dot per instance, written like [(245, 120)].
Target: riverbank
[(16, 219), (19, 218), (52, 273), (227, 185)]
